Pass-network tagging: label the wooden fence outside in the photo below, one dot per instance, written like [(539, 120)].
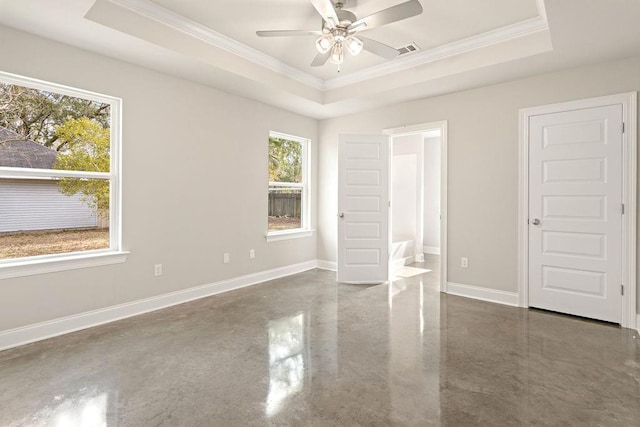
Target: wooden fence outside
[(285, 204)]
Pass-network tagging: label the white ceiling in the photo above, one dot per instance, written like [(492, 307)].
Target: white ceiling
[(439, 24), (465, 44)]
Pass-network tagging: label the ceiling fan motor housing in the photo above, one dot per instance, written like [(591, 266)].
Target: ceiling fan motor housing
[(346, 18)]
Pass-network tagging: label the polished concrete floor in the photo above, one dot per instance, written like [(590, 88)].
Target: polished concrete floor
[(305, 351)]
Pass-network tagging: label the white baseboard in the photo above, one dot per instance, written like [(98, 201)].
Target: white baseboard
[(433, 250), (484, 294), (327, 265), (40, 331)]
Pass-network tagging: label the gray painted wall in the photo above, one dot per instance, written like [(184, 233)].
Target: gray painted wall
[(483, 161), (194, 184), (175, 165)]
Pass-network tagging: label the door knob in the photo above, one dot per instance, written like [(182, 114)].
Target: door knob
[(341, 215), (535, 221)]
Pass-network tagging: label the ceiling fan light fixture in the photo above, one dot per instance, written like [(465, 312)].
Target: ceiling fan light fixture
[(325, 42), (339, 26), (337, 54), (354, 45)]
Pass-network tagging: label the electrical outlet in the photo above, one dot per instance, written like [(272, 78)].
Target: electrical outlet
[(157, 270), (252, 254), (464, 262), (226, 258)]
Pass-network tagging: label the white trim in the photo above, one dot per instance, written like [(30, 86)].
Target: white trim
[(305, 204), (629, 220), (114, 175), (289, 137), (542, 9), (29, 173), (444, 209), (426, 129), (286, 184), (404, 62), (629, 232), (442, 126), (433, 250), (32, 266), (181, 23), (40, 331), (483, 294), (150, 10), (419, 257), (523, 211), (327, 265), (16, 79), (298, 233), (115, 169)]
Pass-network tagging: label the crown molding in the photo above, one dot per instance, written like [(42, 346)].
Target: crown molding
[(489, 38), (181, 23), (542, 9), (151, 10)]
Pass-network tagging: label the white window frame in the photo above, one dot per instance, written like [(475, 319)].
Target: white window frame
[(305, 217), (26, 266)]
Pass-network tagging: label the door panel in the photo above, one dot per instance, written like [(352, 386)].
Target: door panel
[(579, 170), (574, 281), (363, 198), (574, 244), (575, 192)]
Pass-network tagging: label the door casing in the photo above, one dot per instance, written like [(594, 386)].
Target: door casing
[(629, 188), (421, 128)]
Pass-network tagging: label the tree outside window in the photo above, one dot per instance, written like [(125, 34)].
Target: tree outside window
[(62, 145), (287, 186)]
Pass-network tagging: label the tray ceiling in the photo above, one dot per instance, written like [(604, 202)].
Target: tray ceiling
[(442, 22), (465, 44)]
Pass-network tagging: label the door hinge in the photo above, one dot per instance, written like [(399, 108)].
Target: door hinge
[(623, 209), (622, 127), (622, 290)]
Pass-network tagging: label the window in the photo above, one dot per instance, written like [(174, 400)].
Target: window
[(59, 175), (288, 186)]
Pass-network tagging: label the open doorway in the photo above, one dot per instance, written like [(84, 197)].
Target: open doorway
[(418, 198)]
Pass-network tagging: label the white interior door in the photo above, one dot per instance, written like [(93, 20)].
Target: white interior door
[(575, 212), (363, 206)]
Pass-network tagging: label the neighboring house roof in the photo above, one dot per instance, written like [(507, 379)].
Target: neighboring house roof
[(19, 153)]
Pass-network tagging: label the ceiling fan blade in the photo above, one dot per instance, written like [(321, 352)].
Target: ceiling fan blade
[(327, 11), (378, 48), (321, 59), (387, 16), (288, 33)]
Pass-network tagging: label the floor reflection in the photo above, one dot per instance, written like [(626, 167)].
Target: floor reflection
[(87, 408), (410, 356), (286, 361), (305, 351)]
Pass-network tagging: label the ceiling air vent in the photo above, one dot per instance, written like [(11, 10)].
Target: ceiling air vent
[(411, 47)]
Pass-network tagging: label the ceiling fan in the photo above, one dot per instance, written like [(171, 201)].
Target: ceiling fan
[(339, 27)]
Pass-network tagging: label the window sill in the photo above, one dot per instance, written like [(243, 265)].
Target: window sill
[(276, 236), (51, 264)]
